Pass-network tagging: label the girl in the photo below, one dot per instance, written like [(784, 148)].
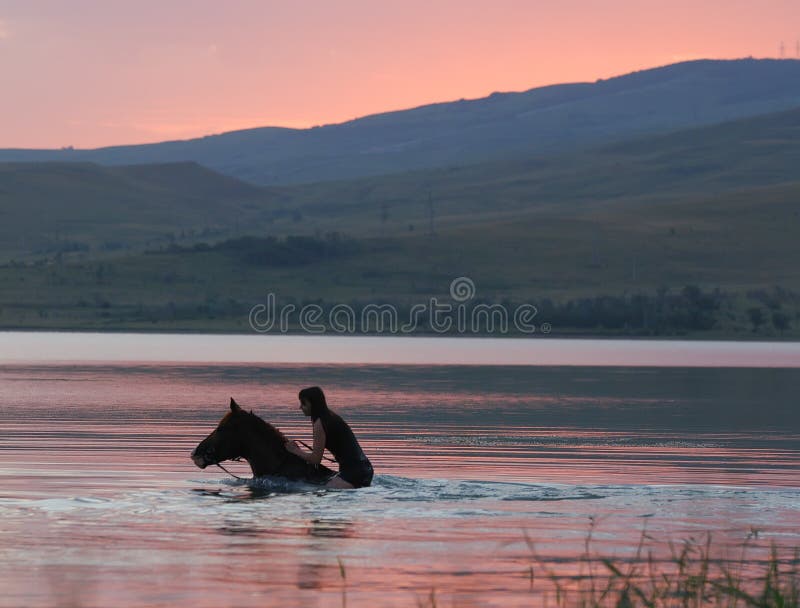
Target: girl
[(335, 435)]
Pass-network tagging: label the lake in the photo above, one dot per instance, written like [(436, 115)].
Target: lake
[(493, 458)]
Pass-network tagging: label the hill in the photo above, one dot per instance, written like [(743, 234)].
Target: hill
[(705, 161), (545, 120), (51, 208)]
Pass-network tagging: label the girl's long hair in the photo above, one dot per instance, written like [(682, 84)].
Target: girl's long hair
[(315, 396)]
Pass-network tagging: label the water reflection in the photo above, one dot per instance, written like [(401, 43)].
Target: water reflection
[(52, 347), (311, 576), (235, 528), (96, 486), (330, 528)]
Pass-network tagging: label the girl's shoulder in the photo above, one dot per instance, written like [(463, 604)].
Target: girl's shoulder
[(332, 419)]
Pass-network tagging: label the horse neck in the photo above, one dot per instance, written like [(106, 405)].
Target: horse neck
[(264, 452)]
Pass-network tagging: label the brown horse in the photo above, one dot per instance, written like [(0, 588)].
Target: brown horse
[(242, 434)]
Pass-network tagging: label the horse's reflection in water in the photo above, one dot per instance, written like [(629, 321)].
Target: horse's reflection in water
[(330, 528), (312, 576), (326, 574), (237, 529)]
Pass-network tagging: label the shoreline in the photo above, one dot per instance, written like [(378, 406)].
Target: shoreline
[(553, 335), (128, 347)]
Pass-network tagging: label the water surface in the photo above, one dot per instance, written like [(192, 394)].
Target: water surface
[(399, 350), (482, 472)]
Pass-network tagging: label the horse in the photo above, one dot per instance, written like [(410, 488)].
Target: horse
[(242, 434)]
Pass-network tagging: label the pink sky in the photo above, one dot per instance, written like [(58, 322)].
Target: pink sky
[(92, 73)]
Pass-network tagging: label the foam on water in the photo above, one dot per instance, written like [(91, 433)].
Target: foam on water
[(393, 496)]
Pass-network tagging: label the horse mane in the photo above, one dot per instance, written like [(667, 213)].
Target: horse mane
[(264, 426)]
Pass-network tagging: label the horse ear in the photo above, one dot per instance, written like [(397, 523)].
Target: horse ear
[(235, 406)]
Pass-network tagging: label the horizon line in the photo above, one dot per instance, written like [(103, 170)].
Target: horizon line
[(69, 148)]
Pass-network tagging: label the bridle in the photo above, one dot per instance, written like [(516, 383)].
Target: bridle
[(209, 455)]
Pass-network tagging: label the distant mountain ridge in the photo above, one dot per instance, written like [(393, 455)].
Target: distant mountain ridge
[(548, 119), (48, 207)]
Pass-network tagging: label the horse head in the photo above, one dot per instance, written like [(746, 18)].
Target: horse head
[(226, 441)]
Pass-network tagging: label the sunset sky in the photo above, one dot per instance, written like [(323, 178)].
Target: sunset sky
[(91, 73)]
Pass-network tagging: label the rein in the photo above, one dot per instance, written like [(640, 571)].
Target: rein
[(238, 459), (310, 449), (227, 471)]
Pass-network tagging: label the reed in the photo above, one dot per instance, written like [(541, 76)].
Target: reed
[(694, 573)]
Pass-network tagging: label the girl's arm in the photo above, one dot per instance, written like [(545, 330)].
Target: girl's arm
[(315, 455)]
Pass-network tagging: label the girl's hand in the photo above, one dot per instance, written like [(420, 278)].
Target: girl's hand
[(292, 447)]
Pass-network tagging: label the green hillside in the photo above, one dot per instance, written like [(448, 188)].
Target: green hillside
[(47, 208), (86, 210), (738, 251), (710, 160), (701, 224)]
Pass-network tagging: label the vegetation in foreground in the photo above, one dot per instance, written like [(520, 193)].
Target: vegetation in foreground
[(695, 573)]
